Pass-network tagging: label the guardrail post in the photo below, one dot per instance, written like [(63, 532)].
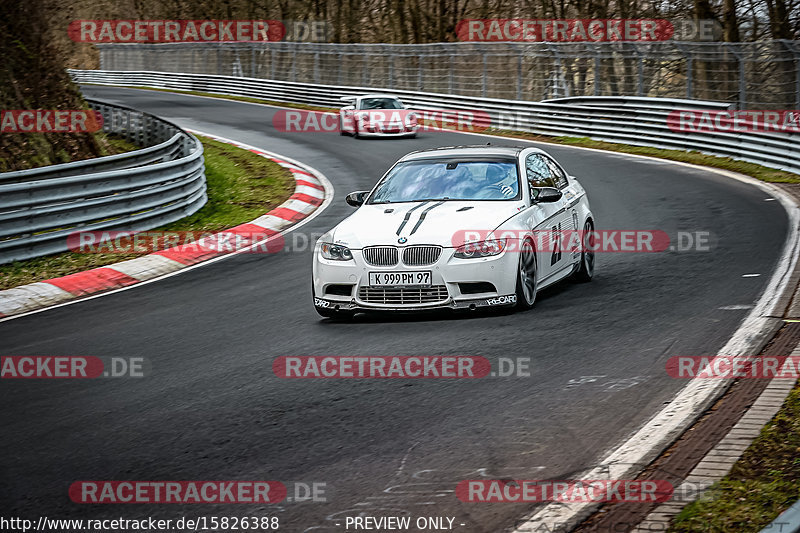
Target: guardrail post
[(596, 73), (294, 64), (390, 69), (316, 67), (363, 56), (689, 69), (559, 68), (640, 73), (797, 77), (519, 75), (484, 76), (420, 74), (742, 83), (450, 70), (795, 51), (252, 60)]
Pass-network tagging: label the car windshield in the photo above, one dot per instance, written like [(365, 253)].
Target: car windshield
[(380, 103), (449, 179)]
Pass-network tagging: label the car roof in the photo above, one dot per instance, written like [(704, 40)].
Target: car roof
[(468, 150)]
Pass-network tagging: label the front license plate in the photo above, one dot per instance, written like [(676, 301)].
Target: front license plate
[(400, 279)]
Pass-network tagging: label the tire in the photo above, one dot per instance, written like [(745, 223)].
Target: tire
[(526, 276), (585, 272)]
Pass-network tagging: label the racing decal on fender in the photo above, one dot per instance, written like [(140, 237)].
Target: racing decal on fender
[(321, 303), (502, 300)]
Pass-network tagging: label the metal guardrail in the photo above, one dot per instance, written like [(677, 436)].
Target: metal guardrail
[(136, 191), (636, 121)]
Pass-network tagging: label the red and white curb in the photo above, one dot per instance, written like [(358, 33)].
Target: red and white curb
[(312, 194)]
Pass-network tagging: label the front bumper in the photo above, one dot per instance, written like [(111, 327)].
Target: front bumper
[(386, 130), (471, 305), (364, 133), (449, 276)]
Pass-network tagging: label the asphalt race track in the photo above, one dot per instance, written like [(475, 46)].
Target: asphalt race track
[(212, 409)]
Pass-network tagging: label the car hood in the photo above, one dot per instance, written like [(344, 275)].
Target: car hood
[(442, 223)]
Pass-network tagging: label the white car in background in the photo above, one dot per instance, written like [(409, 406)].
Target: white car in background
[(455, 228), (376, 115)]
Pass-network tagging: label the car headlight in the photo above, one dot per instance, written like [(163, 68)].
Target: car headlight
[(474, 250), (335, 252)]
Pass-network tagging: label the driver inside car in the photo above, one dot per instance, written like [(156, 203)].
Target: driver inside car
[(495, 184)]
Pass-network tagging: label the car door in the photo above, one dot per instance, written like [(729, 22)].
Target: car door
[(571, 197), (347, 118), (549, 221)]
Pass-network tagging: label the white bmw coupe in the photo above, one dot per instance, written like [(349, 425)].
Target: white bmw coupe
[(460, 228)]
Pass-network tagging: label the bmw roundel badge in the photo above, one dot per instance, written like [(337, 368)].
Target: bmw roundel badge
[(402, 240)]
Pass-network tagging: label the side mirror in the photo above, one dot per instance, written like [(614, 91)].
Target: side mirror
[(356, 199), (348, 99), (545, 195)]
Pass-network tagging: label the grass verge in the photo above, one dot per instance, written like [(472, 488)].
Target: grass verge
[(241, 186), (762, 484)]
